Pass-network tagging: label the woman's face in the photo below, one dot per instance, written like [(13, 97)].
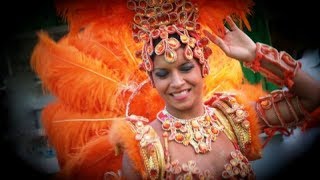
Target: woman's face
[(180, 83)]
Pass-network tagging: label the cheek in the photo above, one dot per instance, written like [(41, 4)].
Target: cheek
[(196, 77), (160, 85), (200, 86), (198, 83)]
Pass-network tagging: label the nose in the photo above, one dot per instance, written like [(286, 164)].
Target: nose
[(177, 80)]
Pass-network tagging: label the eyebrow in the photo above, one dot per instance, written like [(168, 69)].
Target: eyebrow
[(159, 69)]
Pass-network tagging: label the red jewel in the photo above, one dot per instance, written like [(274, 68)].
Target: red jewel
[(214, 130), (207, 52), (153, 172), (203, 42), (166, 125), (179, 137), (173, 17), (138, 54), (143, 4), (177, 125)]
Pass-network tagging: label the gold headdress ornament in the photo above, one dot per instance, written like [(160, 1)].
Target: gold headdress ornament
[(92, 70), (159, 19)]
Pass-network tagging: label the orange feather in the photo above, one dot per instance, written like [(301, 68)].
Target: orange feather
[(93, 71)]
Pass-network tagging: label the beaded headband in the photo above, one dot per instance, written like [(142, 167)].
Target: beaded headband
[(158, 19)]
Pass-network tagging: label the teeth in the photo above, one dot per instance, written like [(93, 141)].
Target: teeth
[(180, 93)]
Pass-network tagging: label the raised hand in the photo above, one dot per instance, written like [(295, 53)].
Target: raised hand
[(235, 43)]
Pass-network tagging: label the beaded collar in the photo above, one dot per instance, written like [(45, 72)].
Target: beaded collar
[(198, 132)]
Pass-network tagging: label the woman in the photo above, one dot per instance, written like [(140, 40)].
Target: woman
[(190, 136), (180, 84)]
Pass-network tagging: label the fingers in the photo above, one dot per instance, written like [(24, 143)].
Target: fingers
[(226, 29), (231, 23), (216, 40), (212, 37)]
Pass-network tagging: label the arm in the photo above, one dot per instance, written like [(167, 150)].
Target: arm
[(303, 95)]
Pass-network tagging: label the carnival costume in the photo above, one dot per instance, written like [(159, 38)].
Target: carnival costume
[(100, 74)]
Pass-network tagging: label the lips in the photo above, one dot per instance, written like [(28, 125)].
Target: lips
[(180, 95)]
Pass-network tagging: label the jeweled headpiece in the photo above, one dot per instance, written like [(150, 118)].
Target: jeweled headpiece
[(156, 19)]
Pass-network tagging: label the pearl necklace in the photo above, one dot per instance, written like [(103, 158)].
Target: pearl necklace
[(198, 132)]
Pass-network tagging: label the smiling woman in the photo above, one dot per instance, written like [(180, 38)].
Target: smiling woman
[(180, 84), (197, 118)]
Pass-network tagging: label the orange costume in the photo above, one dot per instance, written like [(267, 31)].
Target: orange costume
[(105, 101)]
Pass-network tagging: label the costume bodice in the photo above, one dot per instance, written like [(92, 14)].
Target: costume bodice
[(167, 155), (224, 159)]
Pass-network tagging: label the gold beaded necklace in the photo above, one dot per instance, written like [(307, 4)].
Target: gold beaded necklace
[(198, 132)]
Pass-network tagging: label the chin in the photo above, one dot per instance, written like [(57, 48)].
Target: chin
[(182, 106)]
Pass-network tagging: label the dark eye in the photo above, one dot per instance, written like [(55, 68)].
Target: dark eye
[(186, 67), (161, 73)]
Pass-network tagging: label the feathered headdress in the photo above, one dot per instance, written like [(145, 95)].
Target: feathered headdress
[(94, 71)]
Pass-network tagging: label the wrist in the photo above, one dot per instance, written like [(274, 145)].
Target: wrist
[(279, 68), (252, 53)]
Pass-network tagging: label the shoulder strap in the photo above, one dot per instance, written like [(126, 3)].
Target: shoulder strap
[(237, 122), (151, 150)]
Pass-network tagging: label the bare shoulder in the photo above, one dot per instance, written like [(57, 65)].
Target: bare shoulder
[(157, 126)]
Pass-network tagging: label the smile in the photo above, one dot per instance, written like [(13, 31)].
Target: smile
[(180, 95)]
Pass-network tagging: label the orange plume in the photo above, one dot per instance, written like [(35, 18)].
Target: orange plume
[(93, 72)]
